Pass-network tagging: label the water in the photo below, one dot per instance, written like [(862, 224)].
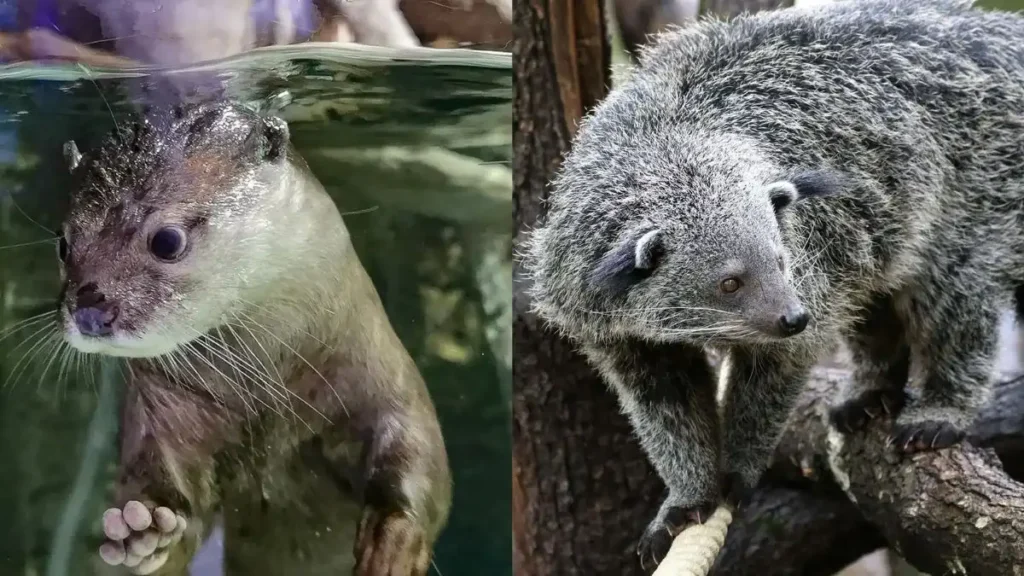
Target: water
[(416, 148)]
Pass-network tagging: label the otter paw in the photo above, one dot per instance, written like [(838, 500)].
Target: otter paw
[(391, 544), (853, 415), (924, 436), (139, 536), (657, 539)]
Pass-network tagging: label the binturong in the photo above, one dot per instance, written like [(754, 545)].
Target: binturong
[(775, 186), (265, 381)]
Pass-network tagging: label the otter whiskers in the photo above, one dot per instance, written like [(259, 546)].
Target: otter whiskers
[(245, 318), (43, 348), (282, 391), (32, 243), (41, 336), (26, 323), (276, 390)]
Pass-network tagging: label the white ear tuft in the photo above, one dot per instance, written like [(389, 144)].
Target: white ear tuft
[(782, 193), (645, 250)]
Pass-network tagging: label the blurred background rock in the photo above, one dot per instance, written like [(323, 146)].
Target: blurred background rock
[(124, 33)]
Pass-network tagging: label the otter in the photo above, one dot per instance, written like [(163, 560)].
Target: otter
[(775, 185), (201, 250)]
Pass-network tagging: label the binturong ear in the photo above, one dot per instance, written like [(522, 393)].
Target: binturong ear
[(809, 184), (647, 250), (629, 262), (275, 131), (71, 155)]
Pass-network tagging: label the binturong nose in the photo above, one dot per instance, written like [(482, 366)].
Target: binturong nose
[(793, 320), (93, 314)]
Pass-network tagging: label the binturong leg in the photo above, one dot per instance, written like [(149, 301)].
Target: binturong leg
[(668, 393)]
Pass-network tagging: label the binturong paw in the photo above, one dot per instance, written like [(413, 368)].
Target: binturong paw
[(924, 436), (671, 520), (735, 489), (853, 415)]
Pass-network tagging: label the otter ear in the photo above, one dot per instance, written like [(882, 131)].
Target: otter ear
[(629, 262), (71, 155), (810, 184), (275, 130)]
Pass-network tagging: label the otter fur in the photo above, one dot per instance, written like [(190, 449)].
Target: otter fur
[(201, 250), (773, 186)]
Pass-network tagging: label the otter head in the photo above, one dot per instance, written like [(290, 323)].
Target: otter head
[(716, 270), (165, 228)]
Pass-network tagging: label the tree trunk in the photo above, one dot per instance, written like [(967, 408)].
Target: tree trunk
[(583, 489)]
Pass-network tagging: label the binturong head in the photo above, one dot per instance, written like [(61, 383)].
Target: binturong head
[(172, 228), (682, 242)]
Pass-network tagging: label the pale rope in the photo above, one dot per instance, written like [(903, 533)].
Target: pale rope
[(694, 550)]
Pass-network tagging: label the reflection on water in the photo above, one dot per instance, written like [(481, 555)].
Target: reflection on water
[(416, 151)]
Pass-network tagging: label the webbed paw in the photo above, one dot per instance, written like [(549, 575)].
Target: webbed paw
[(391, 544), (139, 536)]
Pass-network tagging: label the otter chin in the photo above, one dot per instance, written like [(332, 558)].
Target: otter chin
[(118, 345), (201, 250)]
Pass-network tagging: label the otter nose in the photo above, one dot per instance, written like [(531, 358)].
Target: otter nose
[(794, 321), (93, 315)]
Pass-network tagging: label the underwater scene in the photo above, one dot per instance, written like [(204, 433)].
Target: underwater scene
[(413, 146)]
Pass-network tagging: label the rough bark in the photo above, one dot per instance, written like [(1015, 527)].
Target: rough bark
[(576, 510), (929, 507), (947, 512), (954, 511), (800, 528)]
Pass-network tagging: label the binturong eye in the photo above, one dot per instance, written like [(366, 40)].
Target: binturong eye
[(168, 243), (730, 285)]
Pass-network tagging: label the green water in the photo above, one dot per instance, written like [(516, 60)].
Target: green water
[(416, 148)]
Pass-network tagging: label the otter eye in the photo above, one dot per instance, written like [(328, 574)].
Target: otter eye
[(168, 243), (62, 246), (730, 285)]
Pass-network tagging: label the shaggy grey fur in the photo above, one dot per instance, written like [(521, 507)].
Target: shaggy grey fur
[(862, 162)]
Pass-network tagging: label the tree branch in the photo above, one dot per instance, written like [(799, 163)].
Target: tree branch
[(955, 511), (806, 528)]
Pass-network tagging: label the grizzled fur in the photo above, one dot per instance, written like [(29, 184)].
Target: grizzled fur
[(860, 162)]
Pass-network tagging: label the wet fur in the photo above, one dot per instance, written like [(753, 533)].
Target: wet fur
[(907, 113), (329, 387)]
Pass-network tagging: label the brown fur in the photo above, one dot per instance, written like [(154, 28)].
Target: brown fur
[(338, 393)]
